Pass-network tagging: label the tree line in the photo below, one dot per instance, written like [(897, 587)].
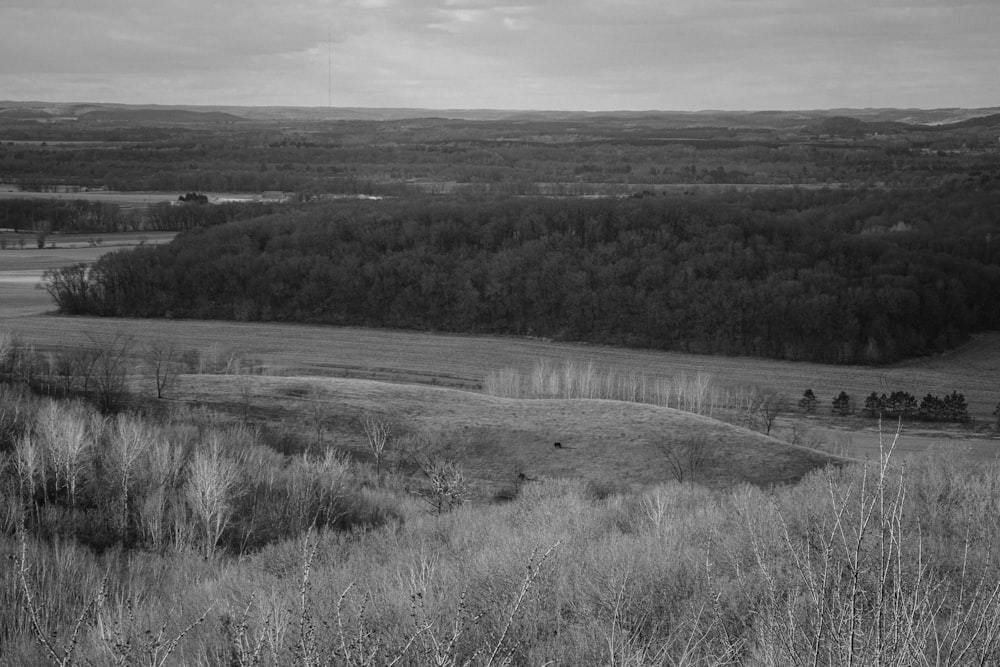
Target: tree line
[(897, 405), (791, 275), (82, 216)]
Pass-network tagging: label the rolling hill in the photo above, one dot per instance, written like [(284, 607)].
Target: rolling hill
[(157, 115), (610, 442)]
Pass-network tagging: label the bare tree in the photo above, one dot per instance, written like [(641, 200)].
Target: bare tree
[(63, 371), (7, 342), (242, 370), (771, 405), (29, 465), (315, 409), (686, 458), (110, 370), (19, 362), (82, 361), (162, 362), (210, 488), (63, 433), (378, 430), (129, 439), (42, 230), (750, 402)]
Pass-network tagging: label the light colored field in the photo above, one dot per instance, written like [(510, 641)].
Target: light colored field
[(463, 360), (127, 199), (494, 438)]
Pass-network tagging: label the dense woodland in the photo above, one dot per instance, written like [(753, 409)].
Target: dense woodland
[(836, 276)]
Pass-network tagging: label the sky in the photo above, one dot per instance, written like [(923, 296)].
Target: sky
[(522, 54)]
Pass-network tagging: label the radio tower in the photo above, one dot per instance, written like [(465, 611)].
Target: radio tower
[(329, 69)]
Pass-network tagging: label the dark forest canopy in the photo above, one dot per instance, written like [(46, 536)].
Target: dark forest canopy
[(835, 276)]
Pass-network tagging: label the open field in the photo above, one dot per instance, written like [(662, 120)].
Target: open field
[(610, 442), (464, 361), (63, 249), (125, 199)]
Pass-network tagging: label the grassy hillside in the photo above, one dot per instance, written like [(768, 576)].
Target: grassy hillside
[(608, 442)]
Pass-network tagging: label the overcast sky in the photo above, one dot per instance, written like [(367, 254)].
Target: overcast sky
[(521, 54)]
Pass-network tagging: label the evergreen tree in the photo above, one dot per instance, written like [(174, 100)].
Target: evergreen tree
[(874, 405), (955, 407), (808, 402), (901, 404), (842, 405), (931, 409)]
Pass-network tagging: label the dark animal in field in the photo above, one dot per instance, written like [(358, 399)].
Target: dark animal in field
[(558, 445)]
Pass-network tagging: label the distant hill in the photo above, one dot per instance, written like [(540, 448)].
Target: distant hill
[(889, 118), (993, 120), (158, 116), (22, 113)]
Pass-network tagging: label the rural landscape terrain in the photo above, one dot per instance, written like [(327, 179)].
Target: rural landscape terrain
[(285, 386)]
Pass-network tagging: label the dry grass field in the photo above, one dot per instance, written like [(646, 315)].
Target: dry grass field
[(612, 443)]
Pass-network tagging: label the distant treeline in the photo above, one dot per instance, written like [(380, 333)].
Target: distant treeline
[(782, 274), (82, 216)]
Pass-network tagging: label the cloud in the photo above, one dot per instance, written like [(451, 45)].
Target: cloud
[(517, 54)]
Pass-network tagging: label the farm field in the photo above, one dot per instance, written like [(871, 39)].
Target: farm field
[(125, 199), (63, 249), (464, 361)]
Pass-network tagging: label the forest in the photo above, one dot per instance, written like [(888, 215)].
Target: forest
[(841, 276)]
